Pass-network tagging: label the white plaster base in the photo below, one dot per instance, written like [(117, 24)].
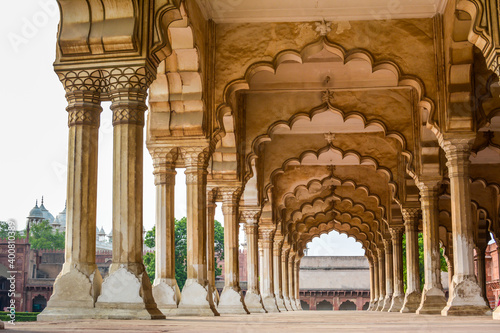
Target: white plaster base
[(293, 304), (387, 304), (375, 305), (270, 304), (126, 296), (231, 302), (397, 303), (195, 301), (280, 302), (433, 301), (166, 294), (73, 297), (299, 306), (412, 302), (380, 305), (466, 299), (288, 306), (253, 303), (496, 314)]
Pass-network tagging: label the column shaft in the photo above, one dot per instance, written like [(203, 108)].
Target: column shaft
[(277, 271), (79, 265), (397, 255), (127, 285), (211, 205), (465, 293), (389, 281), (433, 298), (165, 289), (375, 282), (231, 299), (381, 278), (253, 299), (297, 282), (284, 275), (291, 280), (413, 295), (267, 235), (196, 297)]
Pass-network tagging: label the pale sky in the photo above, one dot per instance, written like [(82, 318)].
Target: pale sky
[(34, 132)]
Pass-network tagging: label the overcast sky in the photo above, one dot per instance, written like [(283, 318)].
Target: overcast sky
[(34, 132)]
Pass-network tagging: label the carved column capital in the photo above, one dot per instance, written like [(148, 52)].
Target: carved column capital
[(81, 80), (163, 163), (457, 150), (411, 216), (250, 216), (196, 160), (230, 198), (397, 232), (388, 245), (84, 107), (266, 234)]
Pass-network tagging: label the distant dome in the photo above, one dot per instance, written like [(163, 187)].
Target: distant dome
[(61, 218), (36, 212), (46, 214)]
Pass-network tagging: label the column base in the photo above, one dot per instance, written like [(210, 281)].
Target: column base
[(74, 295), (397, 303), (281, 304), (196, 300), (231, 302), (299, 306), (387, 304), (288, 306), (126, 296), (293, 304), (433, 301), (215, 296), (380, 304), (270, 304), (166, 294), (412, 302), (253, 303), (466, 299), (496, 314), (375, 305)]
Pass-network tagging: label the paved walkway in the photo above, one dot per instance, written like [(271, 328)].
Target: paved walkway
[(303, 321)]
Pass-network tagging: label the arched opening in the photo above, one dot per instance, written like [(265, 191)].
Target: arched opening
[(4, 289), (347, 306), (366, 306), (334, 244), (324, 305), (39, 303), (304, 305)]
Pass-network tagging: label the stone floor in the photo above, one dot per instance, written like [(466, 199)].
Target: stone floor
[(304, 321)]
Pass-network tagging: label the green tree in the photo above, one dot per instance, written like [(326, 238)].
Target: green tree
[(4, 230), (181, 250), (444, 266), (43, 236)]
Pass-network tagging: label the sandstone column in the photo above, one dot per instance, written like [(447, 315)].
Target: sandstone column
[(372, 284), (284, 275), (253, 299), (389, 281), (231, 298), (375, 282), (465, 293), (433, 298), (196, 297), (266, 235), (413, 295), (211, 205), (397, 261), (381, 279), (291, 280), (481, 268), (126, 292), (297, 285), (165, 289), (79, 283), (278, 285)]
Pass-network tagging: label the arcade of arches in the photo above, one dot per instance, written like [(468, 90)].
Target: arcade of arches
[(375, 121)]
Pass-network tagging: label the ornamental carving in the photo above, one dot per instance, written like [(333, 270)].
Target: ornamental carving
[(195, 157), (411, 215), (128, 116), (397, 233), (250, 217), (84, 116)]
